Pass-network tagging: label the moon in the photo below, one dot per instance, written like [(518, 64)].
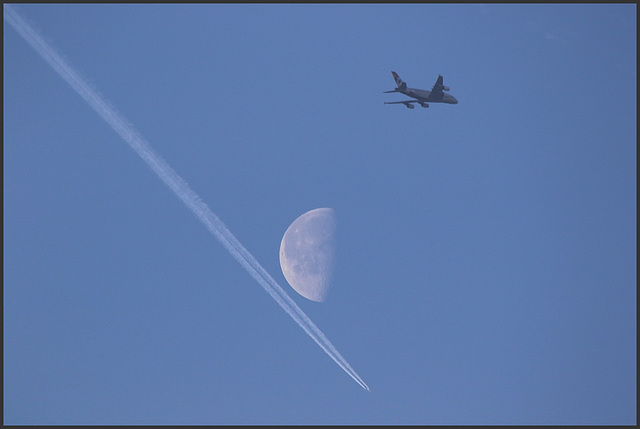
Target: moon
[(307, 253)]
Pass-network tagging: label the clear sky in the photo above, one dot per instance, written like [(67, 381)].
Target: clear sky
[(486, 251)]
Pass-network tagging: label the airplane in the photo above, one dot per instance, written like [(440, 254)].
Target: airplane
[(436, 95)]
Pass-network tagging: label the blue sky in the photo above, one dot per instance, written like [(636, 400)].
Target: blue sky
[(486, 260)]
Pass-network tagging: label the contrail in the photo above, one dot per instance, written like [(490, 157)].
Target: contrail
[(178, 186)]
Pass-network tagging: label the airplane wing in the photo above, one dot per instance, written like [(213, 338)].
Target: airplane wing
[(437, 90), (408, 103), (401, 102)]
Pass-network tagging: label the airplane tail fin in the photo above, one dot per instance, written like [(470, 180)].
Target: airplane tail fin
[(399, 82)]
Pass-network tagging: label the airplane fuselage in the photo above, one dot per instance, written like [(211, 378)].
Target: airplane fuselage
[(424, 95)]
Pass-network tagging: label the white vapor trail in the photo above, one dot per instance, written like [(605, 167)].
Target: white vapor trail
[(178, 186)]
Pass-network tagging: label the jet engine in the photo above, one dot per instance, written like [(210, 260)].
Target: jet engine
[(410, 106), (445, 88), (425, 105)]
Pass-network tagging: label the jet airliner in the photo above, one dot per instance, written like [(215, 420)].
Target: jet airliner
[(422, 96)]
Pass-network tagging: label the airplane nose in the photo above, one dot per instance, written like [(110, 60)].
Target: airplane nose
[(454, 99)]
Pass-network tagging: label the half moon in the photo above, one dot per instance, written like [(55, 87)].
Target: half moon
[(307, 253)]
